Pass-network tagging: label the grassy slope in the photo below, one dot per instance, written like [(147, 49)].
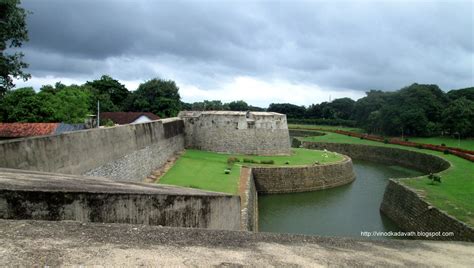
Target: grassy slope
[(302, 126), (454, 195), (464, 143), (205, 170)]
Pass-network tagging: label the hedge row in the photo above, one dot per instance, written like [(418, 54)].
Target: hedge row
[(321, 121)]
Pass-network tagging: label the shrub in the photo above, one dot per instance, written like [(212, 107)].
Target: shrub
[(287, 162), (267, 162), (248, 160), (446, 151), (316, 162), (385, 141), (419, 146), (434, 178), (227, 171), (232, 160), (442, 144), (361, 137), (406, 139)]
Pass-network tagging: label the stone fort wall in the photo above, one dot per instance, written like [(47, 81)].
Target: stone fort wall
[(260, 133), (128, 152)]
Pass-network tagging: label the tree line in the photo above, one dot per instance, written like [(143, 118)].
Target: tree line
[(416, 110)]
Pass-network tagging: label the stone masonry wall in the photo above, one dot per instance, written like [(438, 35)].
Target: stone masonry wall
[(128, 152), (303, 178), (249, 201), (412, 213), (416, 160), (237, 132)]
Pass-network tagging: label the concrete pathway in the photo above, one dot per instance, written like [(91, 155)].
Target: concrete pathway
[(41, 243)]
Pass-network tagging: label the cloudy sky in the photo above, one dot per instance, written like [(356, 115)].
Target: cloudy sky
[(300, 52)]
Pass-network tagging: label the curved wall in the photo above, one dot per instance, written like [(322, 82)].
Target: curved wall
[(415, 160), (303, 178)]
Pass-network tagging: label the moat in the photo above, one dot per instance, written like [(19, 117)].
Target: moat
[(342, 211)]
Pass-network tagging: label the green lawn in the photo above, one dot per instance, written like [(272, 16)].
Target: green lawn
[(316, 127), (205, 170), (455, 194), (451, 142)]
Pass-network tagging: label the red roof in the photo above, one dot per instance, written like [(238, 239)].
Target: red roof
[(18, 130), (123, 118)]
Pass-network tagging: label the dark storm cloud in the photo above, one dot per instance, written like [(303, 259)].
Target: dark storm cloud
[(337, 44)]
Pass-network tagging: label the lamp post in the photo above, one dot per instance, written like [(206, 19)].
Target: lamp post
[(98, 114)]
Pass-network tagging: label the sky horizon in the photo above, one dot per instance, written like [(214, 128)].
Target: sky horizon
[(262, 52)]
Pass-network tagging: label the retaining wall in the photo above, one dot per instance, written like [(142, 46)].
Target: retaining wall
[(415, 160), (303, 178), (128, 152), (412, 213), (249, 201)]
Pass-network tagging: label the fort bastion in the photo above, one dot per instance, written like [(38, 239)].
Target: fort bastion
[(262, 133)]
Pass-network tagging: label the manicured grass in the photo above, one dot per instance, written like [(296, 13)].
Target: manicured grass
[(316, 127), (448, 141), (205, 170), (455, 194)]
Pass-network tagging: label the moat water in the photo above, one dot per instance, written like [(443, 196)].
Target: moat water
[(342, 211)]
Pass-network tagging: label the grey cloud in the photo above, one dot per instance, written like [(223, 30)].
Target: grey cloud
[(337, 44)]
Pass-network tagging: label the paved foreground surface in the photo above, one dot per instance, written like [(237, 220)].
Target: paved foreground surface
[(40, 243)]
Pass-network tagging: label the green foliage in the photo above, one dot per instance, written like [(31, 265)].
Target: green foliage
[(68, 104), (458, 117), (157, 96), (107, 123), (267, 162), (446, 151), (232, 160), (238, 106), (112, 95), (249, 160), (227, 171), (22, 105), (434, 178), (291, 110), (386, 141), (13, 33)]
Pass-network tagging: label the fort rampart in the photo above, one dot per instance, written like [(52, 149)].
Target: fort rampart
[(128, 152)]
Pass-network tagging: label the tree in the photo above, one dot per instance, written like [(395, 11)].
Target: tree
[(458, 117), (238, 106), (68, 105), (22, 105), (13, 33), (111, 94), (291, 110), (157, 96)]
